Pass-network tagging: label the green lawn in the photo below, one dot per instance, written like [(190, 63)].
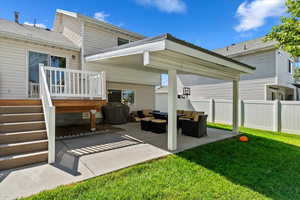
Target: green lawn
[(268, 167)]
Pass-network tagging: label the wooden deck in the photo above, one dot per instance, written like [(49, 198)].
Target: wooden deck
[(63, 106), (77, 105)]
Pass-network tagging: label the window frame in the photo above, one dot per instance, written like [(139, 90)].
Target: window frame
[(133, 96), (122, 90), (42, 52)]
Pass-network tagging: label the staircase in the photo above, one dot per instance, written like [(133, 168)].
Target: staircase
[(23, 136)]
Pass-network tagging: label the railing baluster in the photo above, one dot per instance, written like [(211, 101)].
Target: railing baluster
[(86, 91), (55, 81), (50, 81), (73, 78), (60, 86), (70, 83)]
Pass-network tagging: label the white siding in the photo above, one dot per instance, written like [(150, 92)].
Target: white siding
[(97, 39), (161, 103), (249, 90), (252, 86), (69, 27), (14, 68), (282, 64), (125, 75), (144, 94)]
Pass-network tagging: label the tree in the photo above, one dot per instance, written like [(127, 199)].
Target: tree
[(287, 34), (296, 75)]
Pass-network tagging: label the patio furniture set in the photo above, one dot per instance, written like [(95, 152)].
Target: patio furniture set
[(191, 123)]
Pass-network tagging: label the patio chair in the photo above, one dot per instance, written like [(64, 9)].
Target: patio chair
[(146, 123), (159, 126), (195, 127)]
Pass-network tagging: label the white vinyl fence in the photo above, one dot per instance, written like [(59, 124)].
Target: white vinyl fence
[(278, 116)]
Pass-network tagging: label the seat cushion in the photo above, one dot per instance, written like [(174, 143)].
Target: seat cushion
[(159, 121), (147, 112), (187, 113), (147, 118)]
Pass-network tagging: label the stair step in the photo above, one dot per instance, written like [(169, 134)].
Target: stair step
[(25, 136), (23, 147), (21, 117), (21, 109), (20, 160), (20, 102), (22, 126)]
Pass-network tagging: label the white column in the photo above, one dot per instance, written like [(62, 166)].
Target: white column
[(235, 106), (172, 110)]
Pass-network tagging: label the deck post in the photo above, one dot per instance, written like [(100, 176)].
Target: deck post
[(172, 110), (235, 107), (93, 120)]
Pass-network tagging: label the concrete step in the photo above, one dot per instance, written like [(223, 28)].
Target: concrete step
[(14, 161), (23, 147), (21, 117), (20, 109), (22, 126), (26, 136)]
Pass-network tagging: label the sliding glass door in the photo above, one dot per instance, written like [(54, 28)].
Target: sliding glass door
[(34, 59)]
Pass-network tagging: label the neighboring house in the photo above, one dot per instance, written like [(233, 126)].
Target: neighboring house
[(271, 80)]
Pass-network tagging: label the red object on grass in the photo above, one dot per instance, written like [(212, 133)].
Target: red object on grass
[(244, 139)]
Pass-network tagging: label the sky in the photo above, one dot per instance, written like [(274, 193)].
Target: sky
[(211, 24)]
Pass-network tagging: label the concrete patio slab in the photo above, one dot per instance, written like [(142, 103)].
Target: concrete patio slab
[(86, 157)]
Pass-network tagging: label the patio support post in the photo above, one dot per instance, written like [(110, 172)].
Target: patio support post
[(235, 107), (93, 120), (172, 110)]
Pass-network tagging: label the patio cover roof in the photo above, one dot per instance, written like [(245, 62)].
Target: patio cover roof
[(165, 52)]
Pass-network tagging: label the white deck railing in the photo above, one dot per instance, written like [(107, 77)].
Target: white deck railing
[(75, 83), (49, 115)]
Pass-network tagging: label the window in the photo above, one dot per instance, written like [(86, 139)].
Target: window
[(122, 96), (58, 62), (122, 41), (36, 58), (290, 67), (273, 96), (128, 97)]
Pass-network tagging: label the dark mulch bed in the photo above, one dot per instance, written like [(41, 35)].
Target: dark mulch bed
[(84, 129)]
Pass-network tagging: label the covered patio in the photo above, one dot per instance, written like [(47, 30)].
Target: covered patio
[(167, 54)]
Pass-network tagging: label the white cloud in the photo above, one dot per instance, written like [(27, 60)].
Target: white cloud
[(169, 6), (253, 14), (37, 25), (101, 16)]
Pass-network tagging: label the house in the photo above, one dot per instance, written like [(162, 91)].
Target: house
[(272, 79), (50, 77)]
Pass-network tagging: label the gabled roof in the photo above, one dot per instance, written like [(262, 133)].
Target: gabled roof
[(100, 23), (37, 35), (247, 47)]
